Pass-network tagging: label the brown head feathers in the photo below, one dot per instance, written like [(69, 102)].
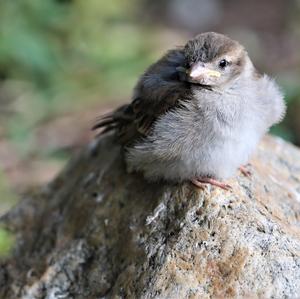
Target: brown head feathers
[(208, 46)]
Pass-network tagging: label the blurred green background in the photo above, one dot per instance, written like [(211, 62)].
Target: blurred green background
[(64, 62)]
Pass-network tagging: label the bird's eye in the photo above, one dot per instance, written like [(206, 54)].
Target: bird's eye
[(223, 63)]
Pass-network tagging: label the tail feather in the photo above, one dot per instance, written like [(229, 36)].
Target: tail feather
[(108, 129), (113, 120), (103, 123), (105, 116)]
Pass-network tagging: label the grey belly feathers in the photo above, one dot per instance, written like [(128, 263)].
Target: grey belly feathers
[(210, 137)]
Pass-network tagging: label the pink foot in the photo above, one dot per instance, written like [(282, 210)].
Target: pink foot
[(247, 173), (200, 181)]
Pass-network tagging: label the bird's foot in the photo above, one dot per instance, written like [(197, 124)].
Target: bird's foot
[(247, 173), (199, 182)]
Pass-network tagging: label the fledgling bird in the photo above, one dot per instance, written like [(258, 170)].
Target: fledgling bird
[(197, 113)]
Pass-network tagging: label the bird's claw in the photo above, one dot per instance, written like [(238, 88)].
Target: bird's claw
[(199, 182), (247, 173)]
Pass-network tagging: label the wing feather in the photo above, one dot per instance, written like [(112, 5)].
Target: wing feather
[(159, 89)]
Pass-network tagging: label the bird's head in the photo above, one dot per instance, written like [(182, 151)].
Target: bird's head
[(213, 59)]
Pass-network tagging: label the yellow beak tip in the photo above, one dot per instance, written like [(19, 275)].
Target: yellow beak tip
[(214, 73)]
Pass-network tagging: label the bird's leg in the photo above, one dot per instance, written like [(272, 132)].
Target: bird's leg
[(200, 181), (245, 171)]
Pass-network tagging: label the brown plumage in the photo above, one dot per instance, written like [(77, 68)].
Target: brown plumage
[(158, 90)]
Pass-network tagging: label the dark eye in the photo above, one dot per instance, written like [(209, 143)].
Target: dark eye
[(223, 63)]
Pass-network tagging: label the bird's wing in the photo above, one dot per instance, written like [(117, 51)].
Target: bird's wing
[(158, 90)]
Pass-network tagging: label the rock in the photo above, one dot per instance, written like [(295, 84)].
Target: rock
[(97, 232)]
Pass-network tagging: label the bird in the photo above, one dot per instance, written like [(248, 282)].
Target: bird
[(197, 114)]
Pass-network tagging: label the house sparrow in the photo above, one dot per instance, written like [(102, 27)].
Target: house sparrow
[(197, 113)]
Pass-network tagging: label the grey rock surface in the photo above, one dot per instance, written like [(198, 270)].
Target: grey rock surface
[(98, 232)]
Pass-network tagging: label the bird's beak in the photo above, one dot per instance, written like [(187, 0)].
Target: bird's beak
[(200, 72)]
